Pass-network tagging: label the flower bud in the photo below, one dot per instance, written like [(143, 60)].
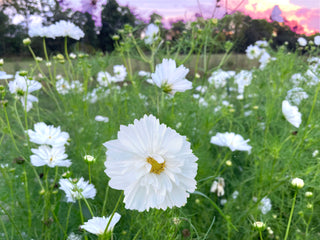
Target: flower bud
[(308, 194), (26, 41), (39, 59), (1, 62), (297, 183), (89, 159), (23, 73), (259, 226)]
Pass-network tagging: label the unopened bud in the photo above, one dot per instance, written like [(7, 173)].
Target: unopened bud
[(26, 41)]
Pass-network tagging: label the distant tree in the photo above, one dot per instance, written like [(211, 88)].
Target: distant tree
[(114, 18), (11, 37)]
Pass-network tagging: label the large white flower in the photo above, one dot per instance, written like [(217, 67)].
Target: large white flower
[(231, 140), (97, 225), (291, 113), (51, 157), (50, 135), (152, 163), (77, 189), (170, 78)]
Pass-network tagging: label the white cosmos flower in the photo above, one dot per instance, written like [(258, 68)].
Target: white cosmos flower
[(296, 95), (317, 40), (105, 78), (231, 140), (51, 157), (291, 113), (152, 163), (75, 190), (97, 225), (170, 78), (265, 205), (120, 73), (50, 135), (253, 52), (62, 86), (151, 33), (302, 41), (4, 75), (22, 87), (67, 29), (99, 118), (243, 79), (218, 186)]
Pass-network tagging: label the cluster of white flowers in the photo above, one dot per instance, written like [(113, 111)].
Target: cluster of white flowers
[(258, 51), (243, 79), (21, 86), (51, 152), (77, 189), (219, 78), (64, 87), (105, 78), (59, 29)]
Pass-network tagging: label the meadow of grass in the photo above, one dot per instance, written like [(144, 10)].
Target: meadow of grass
[(33, 207)]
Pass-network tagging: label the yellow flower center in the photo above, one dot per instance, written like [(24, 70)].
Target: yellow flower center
[(156, 168)]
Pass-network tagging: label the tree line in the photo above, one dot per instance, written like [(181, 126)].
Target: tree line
[(237, 28)]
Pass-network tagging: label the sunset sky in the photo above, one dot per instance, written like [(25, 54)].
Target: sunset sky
[(304, 12)]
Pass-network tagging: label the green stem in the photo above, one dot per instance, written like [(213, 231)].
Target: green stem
[(86, 202), (260, 234), (81, 216), (27, 197), (105, 200), (68, 216), (89, 170), (291, 214), (114, 211), (11, 220)]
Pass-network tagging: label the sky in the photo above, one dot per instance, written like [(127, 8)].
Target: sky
[(303, 13)]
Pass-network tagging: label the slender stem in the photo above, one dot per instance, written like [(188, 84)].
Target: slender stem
[(260, 234), (105, 200), (68, 216), (11, 220), (89, 170), (114, 211), (86, 202), (4, 228), (291, 214), (27, 197), (81, 216)]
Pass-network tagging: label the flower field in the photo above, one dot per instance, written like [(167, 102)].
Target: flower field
[(147, 143)]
